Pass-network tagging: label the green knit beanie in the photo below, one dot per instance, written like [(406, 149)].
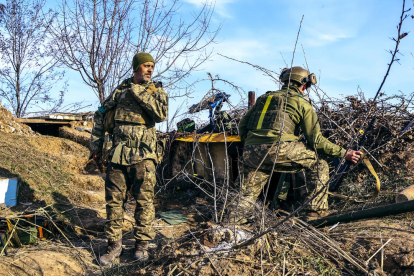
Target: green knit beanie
[(141, 58)]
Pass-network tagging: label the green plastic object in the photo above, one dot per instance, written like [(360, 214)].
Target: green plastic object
[(173, 217), (186, 125), (28, 235)]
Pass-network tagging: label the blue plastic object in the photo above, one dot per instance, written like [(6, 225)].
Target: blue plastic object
[(101, 109), (8, 191), (217, 101)]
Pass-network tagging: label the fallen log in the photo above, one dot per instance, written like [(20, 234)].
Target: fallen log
[(382, 211), (405, 195)]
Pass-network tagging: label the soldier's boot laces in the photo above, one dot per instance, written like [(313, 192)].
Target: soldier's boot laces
[(141, 251), (114, 251)]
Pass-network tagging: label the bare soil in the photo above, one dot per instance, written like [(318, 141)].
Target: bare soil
[(41, 262)]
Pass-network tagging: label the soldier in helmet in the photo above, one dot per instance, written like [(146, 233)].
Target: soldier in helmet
[(260, 131), (134, 108)]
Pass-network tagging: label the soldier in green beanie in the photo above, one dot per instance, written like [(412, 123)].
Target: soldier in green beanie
[(141, 58), (136, 104)]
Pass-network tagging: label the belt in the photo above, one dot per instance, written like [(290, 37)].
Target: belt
[(130, 144)]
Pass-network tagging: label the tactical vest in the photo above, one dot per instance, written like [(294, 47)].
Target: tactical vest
[(128, 110), (269, 113)]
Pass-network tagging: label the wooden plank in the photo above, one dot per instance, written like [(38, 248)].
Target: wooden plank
[(70, 117), (43, 121)]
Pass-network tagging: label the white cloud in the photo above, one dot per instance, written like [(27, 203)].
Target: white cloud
[(220, 6), (321, 39)]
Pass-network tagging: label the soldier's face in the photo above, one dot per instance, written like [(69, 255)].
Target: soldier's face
[(144, 72)]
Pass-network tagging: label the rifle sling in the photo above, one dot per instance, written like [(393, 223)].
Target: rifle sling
[(374, 173)]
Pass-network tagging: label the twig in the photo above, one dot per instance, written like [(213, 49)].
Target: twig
[(227, 173), (171, 272), (264, 70), (384, 227), (185, 270), (382, 255), (202, 248), (366, 263), (11, 235)]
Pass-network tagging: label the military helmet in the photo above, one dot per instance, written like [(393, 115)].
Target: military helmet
[(298, 75)]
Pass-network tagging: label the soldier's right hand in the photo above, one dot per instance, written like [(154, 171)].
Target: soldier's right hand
[(353, 155)]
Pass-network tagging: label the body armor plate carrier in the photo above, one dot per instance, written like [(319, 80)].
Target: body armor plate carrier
[(269, 113), (129, 111)]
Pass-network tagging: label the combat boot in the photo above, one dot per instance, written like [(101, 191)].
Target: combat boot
[(114, 251), (141, 251)]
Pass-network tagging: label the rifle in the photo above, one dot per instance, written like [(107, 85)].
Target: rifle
[(345, 168), (407, 128)]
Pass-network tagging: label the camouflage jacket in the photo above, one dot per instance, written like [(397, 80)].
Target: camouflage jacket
[(303, 115), (132, 143)]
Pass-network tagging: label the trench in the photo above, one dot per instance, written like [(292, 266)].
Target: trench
[(50, 129)]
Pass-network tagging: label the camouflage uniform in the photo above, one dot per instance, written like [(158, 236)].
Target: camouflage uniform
[(260, 145), (137, 108), (293, 157)]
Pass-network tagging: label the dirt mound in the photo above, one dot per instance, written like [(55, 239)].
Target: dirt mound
[(81, 137), (8, 124), (41, 262), (50, 169), (78, 131)]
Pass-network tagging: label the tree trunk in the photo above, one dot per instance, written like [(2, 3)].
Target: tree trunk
[(101, 91), (18, 103)]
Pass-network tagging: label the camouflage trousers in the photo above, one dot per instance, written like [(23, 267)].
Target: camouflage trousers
[(292, 157), (140, 178)]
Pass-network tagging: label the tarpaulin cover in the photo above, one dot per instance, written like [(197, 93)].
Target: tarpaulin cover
[(173, 217)]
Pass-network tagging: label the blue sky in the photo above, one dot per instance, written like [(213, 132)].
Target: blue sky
[(345, 44), (344, 41)]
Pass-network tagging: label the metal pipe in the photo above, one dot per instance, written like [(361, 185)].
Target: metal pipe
[(382, 211), (251, 99)]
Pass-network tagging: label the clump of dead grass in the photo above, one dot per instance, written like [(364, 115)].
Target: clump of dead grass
[(45, 166)]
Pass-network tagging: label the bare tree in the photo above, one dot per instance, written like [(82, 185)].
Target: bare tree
[(99, 38), (28, 64), (178, 47), (93, 37)]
